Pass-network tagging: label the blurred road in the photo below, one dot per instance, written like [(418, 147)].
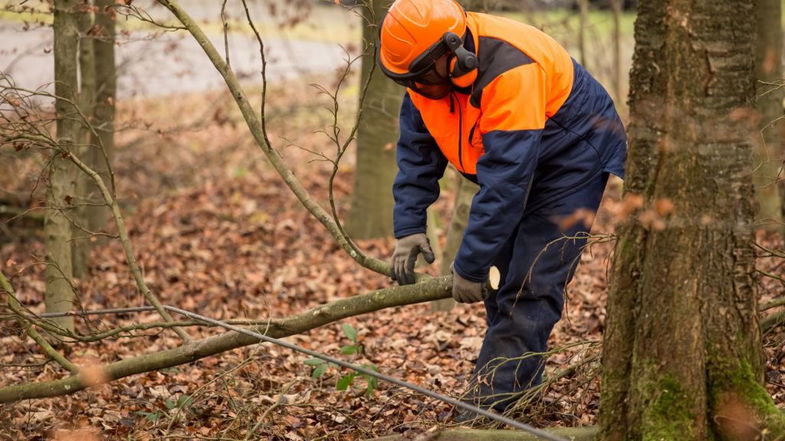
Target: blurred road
[(169, 63)]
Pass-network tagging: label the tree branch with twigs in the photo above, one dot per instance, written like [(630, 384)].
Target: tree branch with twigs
[(32, 135)]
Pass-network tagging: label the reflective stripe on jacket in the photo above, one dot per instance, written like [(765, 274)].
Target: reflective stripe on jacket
[(533, 121)]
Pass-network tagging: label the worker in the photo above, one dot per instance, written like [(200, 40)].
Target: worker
[(506, 105)]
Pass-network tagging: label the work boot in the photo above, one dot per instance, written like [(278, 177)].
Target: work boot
[(466, 417)]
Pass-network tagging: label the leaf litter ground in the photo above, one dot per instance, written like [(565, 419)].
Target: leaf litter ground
[(217, 232)]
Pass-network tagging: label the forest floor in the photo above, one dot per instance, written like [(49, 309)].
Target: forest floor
[(217, 232)]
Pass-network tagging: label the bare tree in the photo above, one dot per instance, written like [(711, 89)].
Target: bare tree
[(62, 176), (86, 76), (105, 95)]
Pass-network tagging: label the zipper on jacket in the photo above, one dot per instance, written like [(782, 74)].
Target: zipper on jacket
[(460, 135)]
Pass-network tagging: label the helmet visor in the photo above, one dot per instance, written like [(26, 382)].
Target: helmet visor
[(420, 66), (430, 84), (425, 79)]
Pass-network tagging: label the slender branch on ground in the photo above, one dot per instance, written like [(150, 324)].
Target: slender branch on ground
[(128, 330), (770, 275), (269, 410)]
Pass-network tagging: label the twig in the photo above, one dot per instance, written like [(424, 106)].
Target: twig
[(13, 303), (269, 410), (772, 304), (255, 126), (136, 270)]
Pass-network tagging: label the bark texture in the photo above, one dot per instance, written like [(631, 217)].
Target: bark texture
[(372, 202), (682, 357), (59, 294), (770, 152), (105, 81)]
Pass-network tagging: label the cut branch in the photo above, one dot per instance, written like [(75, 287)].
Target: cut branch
[(429, 290)]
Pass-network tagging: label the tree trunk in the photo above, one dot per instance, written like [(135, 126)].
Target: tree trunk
[(682, 350), (770, 152), (583, 24), (59, 294), (372, 202), (617, 8), (81, 239), (458, 222), (105, 81)]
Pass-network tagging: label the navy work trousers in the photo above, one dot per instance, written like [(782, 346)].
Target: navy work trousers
[(535, 265)]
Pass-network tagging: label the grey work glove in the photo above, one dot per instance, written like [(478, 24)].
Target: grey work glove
[(466, 291), (405, 255)]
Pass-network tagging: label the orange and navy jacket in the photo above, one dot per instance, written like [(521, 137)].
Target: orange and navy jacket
[(534, 121)]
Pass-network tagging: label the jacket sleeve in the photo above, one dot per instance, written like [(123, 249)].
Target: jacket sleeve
[(420, 166), (513, 118)]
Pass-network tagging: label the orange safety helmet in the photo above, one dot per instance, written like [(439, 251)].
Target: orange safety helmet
[(416, 33)]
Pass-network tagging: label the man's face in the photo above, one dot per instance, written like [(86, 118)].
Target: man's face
[(435, 83)]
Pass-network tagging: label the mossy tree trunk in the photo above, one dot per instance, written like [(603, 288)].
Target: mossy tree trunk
[(59, 294), (682, 347), (371, 212), (80, 227), (770, 152), (105, 81)]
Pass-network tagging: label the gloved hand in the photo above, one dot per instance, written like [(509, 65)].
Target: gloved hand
[(466, 291), (405, 255)]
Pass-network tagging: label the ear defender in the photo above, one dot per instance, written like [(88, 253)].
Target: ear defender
[(463, 65), (463, 80)]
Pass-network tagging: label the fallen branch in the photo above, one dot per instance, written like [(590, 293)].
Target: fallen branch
[(433, 289)]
